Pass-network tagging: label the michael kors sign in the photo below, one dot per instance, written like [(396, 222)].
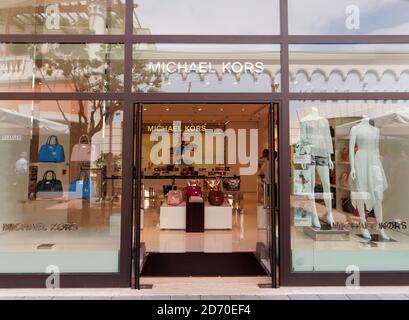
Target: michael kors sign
[(235, 67)]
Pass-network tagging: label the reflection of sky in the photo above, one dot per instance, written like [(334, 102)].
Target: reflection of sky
[(209, 16), (328, 17)]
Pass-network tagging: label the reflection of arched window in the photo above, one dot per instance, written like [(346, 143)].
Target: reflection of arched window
[(246, 82), (174, 83), (193, 82), (299, 82), (335, 82), (403, 82), (387, 82), (317, 82), (263, 83), (370, 82), (353, 82), (229, 83)]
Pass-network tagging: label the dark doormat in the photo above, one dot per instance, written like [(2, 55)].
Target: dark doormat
[(198, 264)]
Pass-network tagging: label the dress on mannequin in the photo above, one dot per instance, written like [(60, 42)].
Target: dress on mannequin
[(368, 180), (316, 133)]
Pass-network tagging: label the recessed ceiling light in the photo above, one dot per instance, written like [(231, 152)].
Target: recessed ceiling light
[(199, 109), (221, 109), (144, 109), (243, 109), (167, 109)]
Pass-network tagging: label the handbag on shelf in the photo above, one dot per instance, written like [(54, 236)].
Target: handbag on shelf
[(193, 191), (83, 151), (213, 184), (344, 179), (167, 187), (344, 154), (347, 205), (51, 152), (82, 187), (49, 188), (216, 197), (175, 197), (193, 182), (231, 184)]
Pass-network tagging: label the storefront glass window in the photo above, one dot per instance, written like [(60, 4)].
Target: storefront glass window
[(211, 17), (349, 68), (344, 17), (349, 178), (60, 186), (206, 68), (50, 67), (57, 17)]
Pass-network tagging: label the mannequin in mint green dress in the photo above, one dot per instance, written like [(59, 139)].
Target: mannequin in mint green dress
[(367, 177)]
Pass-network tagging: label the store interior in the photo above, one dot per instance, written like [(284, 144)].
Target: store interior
[(228, 170)]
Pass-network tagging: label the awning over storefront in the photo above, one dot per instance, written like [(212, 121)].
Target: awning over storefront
[(396, 123), (10, 119)]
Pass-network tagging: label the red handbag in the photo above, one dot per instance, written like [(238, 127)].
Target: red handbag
[(193, 191)]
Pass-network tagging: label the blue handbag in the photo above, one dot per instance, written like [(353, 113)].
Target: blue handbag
[(51, 152), (82, 187)]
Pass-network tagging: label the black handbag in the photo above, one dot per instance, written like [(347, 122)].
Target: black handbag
[(231, 184), (49, 188)]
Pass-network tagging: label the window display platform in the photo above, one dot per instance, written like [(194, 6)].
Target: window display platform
[(86, 252), (309, 255), (216, 217)]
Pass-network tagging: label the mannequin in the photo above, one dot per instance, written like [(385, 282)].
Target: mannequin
[(315, 131), (367, 175)]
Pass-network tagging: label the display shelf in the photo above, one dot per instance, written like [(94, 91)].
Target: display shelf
[(341, 166)]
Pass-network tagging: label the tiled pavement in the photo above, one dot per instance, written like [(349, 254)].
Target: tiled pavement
[(271, 294)]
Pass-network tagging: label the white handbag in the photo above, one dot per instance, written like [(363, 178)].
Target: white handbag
[(83, 152)]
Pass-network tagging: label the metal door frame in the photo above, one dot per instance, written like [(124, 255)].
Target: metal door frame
[(273, 106)]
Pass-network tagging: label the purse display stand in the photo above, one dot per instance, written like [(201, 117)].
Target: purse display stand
[(194, 216)]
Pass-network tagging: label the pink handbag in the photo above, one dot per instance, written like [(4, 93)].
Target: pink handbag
[(83, 151), (175, 197)]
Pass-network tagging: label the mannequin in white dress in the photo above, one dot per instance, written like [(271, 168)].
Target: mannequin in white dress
[(315, 132), (367, 177)]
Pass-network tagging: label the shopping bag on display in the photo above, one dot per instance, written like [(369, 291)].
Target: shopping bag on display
[(302, 182), (82, 187), (51, 151), (49, 188), (83, 151)]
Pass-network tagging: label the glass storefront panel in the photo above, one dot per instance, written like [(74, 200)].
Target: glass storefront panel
[(51, 67), (60, 186), (211, 17), (206, 68), (344, 17), (349, 204), (349, 68), (62, 17)]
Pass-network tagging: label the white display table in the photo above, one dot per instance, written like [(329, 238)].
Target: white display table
[(173, 217), (216, 217)]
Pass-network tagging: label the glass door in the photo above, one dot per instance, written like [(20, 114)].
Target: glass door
[(204, 186)]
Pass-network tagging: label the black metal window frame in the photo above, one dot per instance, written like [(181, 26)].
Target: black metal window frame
[(129, 98)]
